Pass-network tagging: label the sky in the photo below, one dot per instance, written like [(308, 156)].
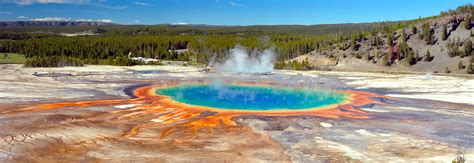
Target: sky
[(224, 12)]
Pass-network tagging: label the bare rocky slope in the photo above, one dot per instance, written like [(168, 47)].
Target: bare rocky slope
[(368, 56)]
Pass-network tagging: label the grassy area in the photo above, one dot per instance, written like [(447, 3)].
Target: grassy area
[(11, 58)]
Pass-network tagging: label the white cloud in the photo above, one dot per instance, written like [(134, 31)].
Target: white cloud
[(70, 19), (98, 20), (103, 5), (235, 4), (84, 20), (97, 3), (22, 17), (137, 21), (28, 2), (141, 4), (179, 23), (105, 20), (51, 19), (5, 12)]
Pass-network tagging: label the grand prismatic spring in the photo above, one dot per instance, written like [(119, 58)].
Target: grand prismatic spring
[(182, 114), (258, 98)]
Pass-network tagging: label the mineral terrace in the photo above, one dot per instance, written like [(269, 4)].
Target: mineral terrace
[(107, 114)]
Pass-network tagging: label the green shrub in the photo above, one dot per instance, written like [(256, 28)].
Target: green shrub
[(453, 49), (461, 66), (444, 34), (428, 56), (447, 70), (470, 67), (404, 36), (385, 60), (467, 47), (467, 23), (413, 30), (427, 34), (410, 58)]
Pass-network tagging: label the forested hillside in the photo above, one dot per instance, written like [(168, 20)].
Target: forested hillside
[(441, 44), (160, 41), (384, 44)]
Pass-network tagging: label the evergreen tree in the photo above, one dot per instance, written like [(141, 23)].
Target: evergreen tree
[(470, 67), (390, 54), (453, 49), (353, 45), (413, 29), (389, 40), (400, 51), (444, 33), (410, 59), (467, 23), (467, 47), (428, 56), (404, 36), (427, 34), (460, 65), (447, 70), (385, 60)]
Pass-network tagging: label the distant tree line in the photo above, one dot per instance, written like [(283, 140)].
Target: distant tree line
[(200, 49), (202, 43)]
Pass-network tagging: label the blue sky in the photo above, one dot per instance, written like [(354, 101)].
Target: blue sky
[(224, 12)]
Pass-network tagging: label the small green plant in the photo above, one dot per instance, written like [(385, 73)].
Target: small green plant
[(353, 45), (470, 67), (453, 47), (467, 48), (280, 65), (467, 23), (358, 56), (389, 40), (459, 158), (413, 30), (404, 36), (444, 33), (411, 58), (461, 66), (385, 61), (427, 34), (447, 70), (428, 56)]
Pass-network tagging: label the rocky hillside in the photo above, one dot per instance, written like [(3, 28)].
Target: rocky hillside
[(439, 45)]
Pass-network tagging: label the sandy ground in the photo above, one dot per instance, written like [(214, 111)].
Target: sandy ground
[(423, 118)]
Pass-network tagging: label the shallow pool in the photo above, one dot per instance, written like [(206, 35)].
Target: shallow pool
[(244, 97)]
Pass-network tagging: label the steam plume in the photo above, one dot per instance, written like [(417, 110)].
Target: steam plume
[(239, 61)]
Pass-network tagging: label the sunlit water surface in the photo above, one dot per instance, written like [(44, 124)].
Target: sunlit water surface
[(243, 97)]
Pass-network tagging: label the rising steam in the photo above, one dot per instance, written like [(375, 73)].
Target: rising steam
[(240, 61)]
